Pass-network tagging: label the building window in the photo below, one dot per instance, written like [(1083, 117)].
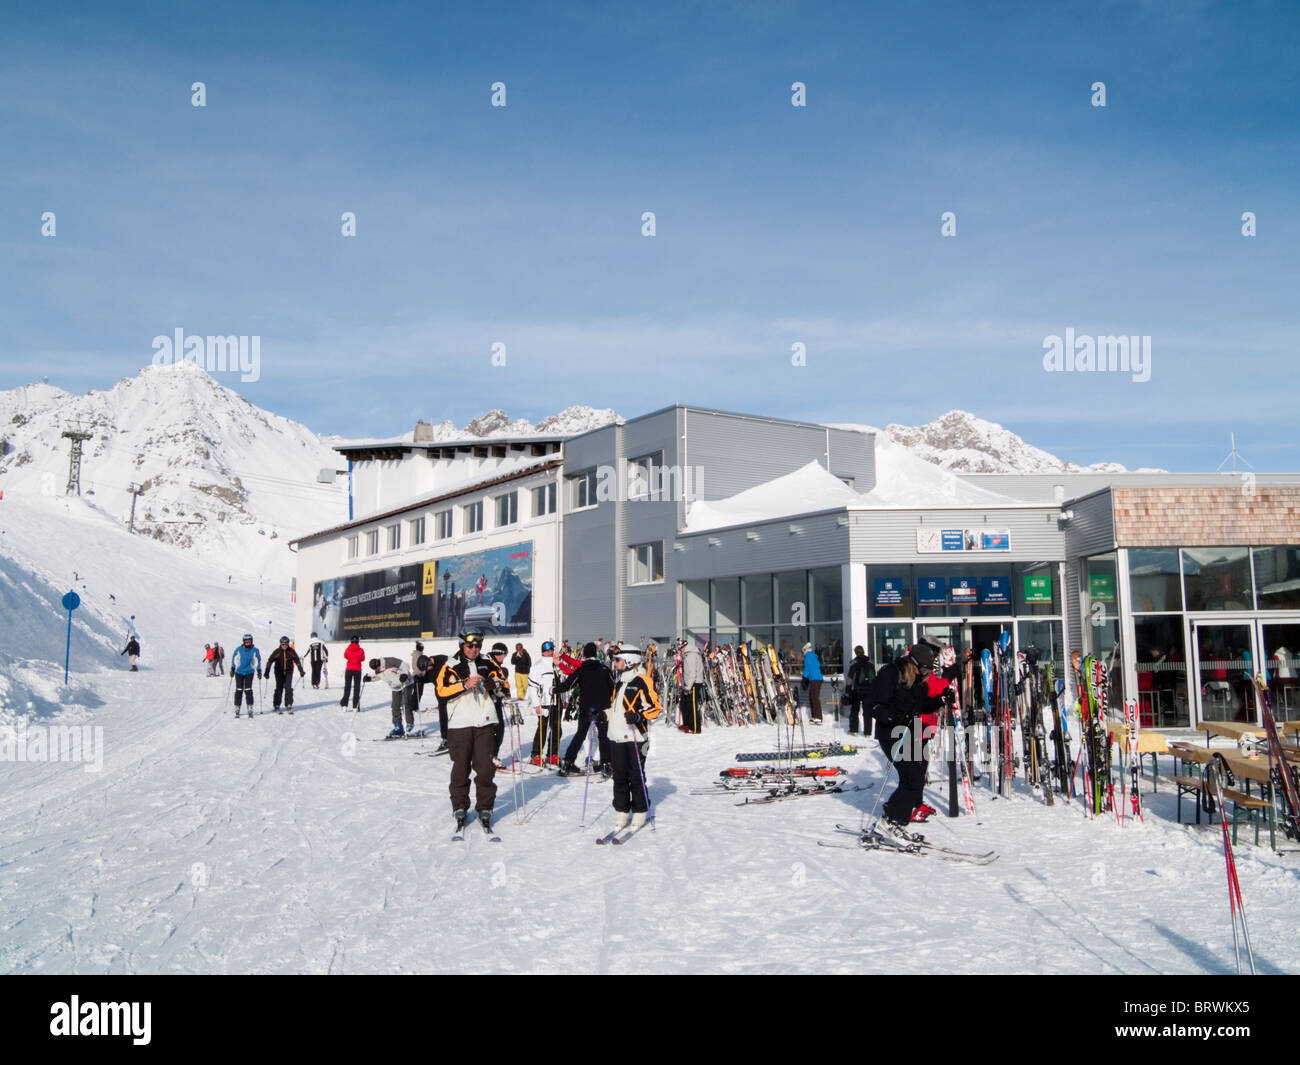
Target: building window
[(395, 537), (442, 525), (544, 500), (647, 563), (474, 517), (354, 546), (643, 476), (417, 531), (507, 509), (372, 542), (584, 490), (1217, 578)]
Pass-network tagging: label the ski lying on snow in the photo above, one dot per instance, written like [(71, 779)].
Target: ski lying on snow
[(821, 750), (490, 833), (801, 793), (877, 840), (618, 838)]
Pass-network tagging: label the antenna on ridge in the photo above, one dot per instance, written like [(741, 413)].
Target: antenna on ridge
[(1233, 456)]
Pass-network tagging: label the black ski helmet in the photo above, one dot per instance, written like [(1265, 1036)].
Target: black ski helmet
[(284, 640)]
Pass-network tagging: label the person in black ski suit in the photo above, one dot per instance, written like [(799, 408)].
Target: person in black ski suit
[(132, 652), (859, 677), (897, 697), (285, 660), (499, 691), (595, 686)]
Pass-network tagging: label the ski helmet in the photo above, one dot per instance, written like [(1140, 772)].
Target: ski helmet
[(374, 664), (548, 645), (247, 637), (419, 646), (474, 639), (284, 640)]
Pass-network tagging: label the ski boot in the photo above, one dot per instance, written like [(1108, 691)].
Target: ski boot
[(638, 820), (441, 747), (460, 816), (396, 734), (485, 819), (897, 830), (568, 769), (622, 819), (553, 760), (536, 759)]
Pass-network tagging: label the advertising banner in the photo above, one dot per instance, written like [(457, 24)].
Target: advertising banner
[(490, 590)]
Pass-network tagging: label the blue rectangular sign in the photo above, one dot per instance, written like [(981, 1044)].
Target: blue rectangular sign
[(932, 591), (964, 590), (889, 591), (995, 591)]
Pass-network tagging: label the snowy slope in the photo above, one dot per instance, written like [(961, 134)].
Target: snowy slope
[(295, 844), (218, 474)]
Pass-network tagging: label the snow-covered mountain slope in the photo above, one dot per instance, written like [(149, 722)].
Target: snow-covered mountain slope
[(215, 473), (962, 442)]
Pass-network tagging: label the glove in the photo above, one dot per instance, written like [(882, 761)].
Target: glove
[(600, 717), (634, 717), (403, 677), (366, 680)]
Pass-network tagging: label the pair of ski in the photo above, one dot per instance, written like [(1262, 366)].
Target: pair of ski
[(875, 839), (459, 835), (823, 750), (777, 794), (618, 837)]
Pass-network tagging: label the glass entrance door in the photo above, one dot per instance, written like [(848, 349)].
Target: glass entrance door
[(1224, 655), (1279, 641)]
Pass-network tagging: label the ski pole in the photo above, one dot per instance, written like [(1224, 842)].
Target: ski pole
[(898, 750), (640, 768), (591, 742)]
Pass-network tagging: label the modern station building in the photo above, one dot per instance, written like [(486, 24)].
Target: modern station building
[(703, 523)]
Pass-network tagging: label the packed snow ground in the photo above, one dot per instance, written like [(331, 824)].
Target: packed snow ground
[(296, 844)]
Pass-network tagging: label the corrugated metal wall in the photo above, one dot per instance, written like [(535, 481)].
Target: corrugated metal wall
[(853, 456), (821, 543), (890, 535), (738, 452), (589, 542), (650, 610)]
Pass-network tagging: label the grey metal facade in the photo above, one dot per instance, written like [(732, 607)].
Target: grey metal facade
[(889, 535)]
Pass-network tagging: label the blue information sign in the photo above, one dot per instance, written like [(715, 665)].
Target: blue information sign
[(952, 540), (964, 590), (932, 591), (889, 591), (995, 591)]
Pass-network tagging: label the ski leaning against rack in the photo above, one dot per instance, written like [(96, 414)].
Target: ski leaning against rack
[(1280, 774), (875, 840)]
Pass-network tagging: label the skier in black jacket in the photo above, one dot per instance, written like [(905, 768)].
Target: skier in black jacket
[(595, 686), (859, 677), (132, 652), (896, 697), (285, 660)]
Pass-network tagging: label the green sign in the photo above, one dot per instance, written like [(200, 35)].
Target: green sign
[(1038, 589), (1101, 587)]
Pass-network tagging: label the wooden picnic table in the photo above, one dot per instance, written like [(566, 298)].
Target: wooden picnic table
[(1234, 730)]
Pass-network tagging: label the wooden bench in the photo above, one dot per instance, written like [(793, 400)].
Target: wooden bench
[(1252, 806)]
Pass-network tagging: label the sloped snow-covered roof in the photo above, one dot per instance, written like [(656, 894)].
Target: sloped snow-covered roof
[(810, 488)]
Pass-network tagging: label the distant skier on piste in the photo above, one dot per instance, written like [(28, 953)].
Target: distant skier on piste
[(471, 730), (132, 652), (317, 654), (245, 664), (354, 656), (897, 698), (635, 706), (284, 659)]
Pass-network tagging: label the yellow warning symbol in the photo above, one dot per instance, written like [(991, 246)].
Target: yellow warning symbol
[(430, 582)]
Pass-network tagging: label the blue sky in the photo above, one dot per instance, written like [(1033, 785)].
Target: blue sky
[(775, 225)]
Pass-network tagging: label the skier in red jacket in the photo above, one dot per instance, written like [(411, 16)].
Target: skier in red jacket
[(355, 658)]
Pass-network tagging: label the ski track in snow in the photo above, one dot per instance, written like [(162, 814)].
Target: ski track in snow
[(210, 844)]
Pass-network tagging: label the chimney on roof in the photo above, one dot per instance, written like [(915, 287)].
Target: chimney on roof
[(423, 431)]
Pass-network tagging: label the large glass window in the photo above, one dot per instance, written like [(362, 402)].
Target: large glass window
[(756, 599), (1277, 578), (395, 536), (695, 605), (825, 593), (1035, 588), (887, 642), (1154, 580), (442, 525), (372, 542), (417, 531), (1282, 662), (643, 476), (1224, 663), (354, 546), (1161, 671), (792, 597), (1217, 578), (726, 604)]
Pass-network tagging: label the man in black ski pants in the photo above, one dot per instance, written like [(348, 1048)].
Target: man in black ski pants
[(896, 697), (859, 677), (595, 686)]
